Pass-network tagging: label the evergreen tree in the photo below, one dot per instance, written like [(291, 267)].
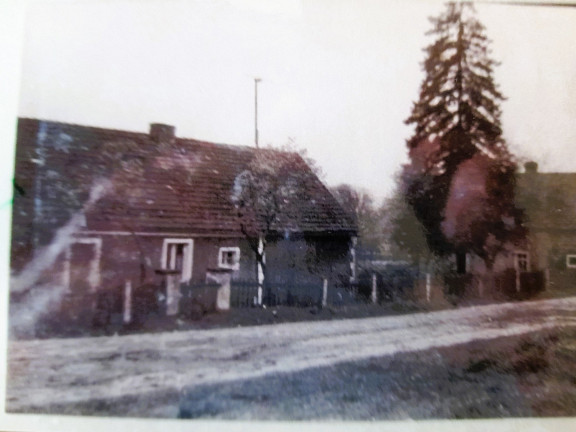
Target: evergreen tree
[(458, 92), (457, 118)]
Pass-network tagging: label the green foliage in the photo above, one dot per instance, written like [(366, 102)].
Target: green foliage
[(403, 231)]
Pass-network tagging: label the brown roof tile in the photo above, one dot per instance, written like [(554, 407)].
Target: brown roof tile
[(549, 199), (184, 187)]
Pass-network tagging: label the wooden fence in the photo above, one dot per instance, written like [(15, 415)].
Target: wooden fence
[(243, 294), (506, 284), (196, 299), (388, 284), (303, 294), (520, 286)]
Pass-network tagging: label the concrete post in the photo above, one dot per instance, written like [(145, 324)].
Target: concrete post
[(128, 301), (428, 286), (259, 298), (374, 289), (171, 282), (172, 294), (222, 277), (325, 293)]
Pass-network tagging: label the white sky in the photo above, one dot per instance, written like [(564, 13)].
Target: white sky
[(338, 76)]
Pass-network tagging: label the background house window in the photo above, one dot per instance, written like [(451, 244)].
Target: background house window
[(571, 261), (522, 261), (229, 257)]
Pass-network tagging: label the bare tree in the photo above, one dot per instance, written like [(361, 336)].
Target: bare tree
[(267, 198), (361, 207)]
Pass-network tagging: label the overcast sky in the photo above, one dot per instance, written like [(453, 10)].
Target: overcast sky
[(338, 76)]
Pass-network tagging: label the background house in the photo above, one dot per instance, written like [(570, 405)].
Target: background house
[(546, 257), (164, 204), (549, 200)]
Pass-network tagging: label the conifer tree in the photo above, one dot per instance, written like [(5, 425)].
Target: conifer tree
[(458, 91), (457, 118)]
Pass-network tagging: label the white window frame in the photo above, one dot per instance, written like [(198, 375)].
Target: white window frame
[(94, 275), (222, 264), (568, 257), (517, 260), (187, 259)]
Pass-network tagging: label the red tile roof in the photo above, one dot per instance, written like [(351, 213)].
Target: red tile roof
[(183, 187), (549, 199)]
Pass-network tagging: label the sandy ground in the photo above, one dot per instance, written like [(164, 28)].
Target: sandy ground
[(44, 373)]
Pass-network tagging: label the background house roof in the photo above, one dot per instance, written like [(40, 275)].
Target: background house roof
[(549, 199), (160, 183)]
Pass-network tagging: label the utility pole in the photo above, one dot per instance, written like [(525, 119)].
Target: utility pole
[(256, 81)]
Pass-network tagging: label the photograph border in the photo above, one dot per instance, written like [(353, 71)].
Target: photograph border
[(12, 29)]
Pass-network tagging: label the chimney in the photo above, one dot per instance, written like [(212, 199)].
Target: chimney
[(531, 167), (162, 133)]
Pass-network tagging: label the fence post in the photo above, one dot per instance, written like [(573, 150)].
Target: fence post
[(259, 297), (374, 289), (546, 278), (325, 293), (220, 300), (260, 267), (172, 293), (428, 286), (517, 280), (127, 301)]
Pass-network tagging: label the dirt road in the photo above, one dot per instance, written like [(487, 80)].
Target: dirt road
[(43, 372)]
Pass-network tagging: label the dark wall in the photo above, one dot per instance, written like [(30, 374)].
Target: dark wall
[(123, 257), (309, 258), (131, 257), (137, 258), (206, 252)]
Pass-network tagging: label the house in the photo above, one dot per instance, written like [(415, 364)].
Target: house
[(549, 201), (121, 207), (546, 257)]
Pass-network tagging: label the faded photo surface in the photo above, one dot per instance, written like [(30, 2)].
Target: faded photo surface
[(299, 210)]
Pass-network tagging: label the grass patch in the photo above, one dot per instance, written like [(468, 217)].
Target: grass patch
[(541, 363)]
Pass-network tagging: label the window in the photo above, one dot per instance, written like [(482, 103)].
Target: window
[(522, 261), (229, 257), (177, 255), (571, 261), (82, 264)]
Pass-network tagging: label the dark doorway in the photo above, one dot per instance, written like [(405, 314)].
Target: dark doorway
[(460, 263)]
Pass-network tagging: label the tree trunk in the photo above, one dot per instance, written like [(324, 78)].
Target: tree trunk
[(487, 282), (262, 272), (461, 262)]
